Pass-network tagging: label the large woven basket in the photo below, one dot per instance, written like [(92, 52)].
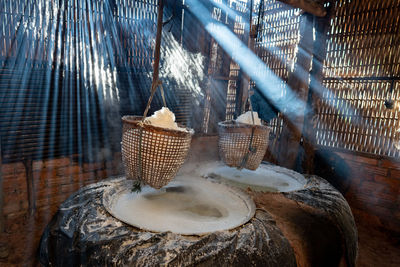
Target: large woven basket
[(234, 143), (152, 154)]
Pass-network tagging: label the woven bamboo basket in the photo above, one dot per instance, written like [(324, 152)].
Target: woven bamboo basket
[(152, 154), (234, 144)]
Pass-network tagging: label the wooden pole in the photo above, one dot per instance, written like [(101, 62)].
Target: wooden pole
[(158, 40), (319, 53), (2, 221), (298, 81), (155, 82)]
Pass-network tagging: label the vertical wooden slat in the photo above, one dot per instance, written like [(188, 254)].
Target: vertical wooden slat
[(299, 82), (277, 48), (321, 27)]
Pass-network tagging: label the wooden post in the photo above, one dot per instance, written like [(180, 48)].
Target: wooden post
[(319, 53), (298, 81), (2, 221)]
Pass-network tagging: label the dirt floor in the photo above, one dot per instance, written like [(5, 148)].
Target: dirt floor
[(19, 244)]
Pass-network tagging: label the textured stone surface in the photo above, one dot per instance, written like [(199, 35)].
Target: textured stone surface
[(305, 227), (320, 195), (316, 220), (82, 232)]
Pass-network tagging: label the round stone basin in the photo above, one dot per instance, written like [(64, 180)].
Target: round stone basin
[(266, 178), (187, 205)]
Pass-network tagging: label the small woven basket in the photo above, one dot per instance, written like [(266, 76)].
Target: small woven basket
[(234, 143), (152, 154)]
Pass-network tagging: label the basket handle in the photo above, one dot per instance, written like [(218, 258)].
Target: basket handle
[(251, 149), (251, 108), (154, 87)]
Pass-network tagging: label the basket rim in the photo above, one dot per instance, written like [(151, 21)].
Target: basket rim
[(235, 124), (136, 120)]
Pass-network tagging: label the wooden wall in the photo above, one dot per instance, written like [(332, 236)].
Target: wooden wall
[(373, 188), (54, 180)]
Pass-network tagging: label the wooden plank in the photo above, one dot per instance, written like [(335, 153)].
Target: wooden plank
[(2, 221), (298, 81)]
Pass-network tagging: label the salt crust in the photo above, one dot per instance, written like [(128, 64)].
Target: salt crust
[(188, 205), (246, 118), (164, 118)]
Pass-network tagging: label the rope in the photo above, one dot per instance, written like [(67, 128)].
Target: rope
[(251, 149), (154, 87), (137, 184), (155, 83), (252, 34)]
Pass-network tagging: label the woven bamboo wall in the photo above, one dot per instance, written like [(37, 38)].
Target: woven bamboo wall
[(361, 66), (224, 80), (242, 9), (277, 46), (63, 67)]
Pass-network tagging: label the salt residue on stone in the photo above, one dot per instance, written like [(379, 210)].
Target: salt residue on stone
[(263, 179), (267, 178), (188, 205), (246, 118), (164, 118)]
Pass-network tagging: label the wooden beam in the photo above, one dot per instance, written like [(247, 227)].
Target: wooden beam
[(298, 81), (313, 7), (319, 53)]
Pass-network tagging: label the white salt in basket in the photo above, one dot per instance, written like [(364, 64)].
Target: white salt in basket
[(152, 154), (242, 145)]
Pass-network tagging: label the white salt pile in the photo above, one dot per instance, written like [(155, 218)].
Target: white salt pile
[(164, 118), (246, 118), (188, 205)]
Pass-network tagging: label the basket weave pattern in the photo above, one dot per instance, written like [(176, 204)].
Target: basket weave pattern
[(163, 151), (233, 143)]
